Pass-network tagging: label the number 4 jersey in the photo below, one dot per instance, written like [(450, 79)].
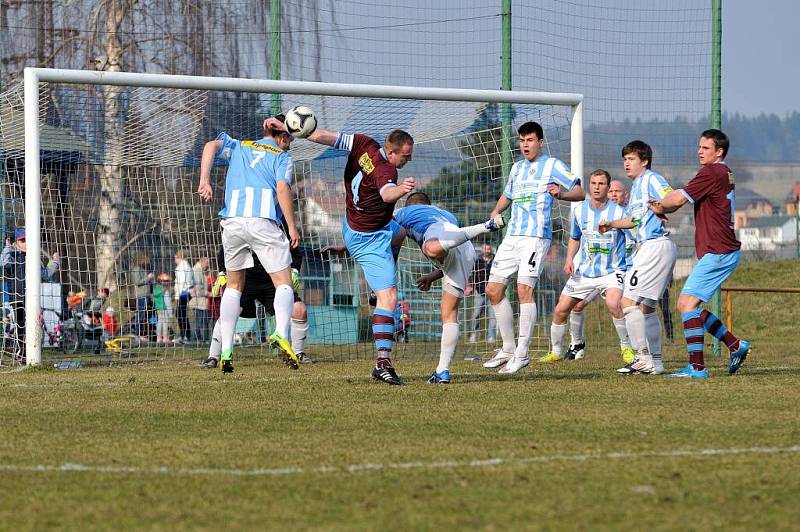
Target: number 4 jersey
[(366, 174)]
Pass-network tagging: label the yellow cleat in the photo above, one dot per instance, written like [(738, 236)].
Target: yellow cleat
[(551, 358), (283, 345), (628, 355)]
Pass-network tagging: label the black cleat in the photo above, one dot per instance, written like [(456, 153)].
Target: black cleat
[(387, 375), (227, 366), (576, 352), (304, 358), (210, 363)]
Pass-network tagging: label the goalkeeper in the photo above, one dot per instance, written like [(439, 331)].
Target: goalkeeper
[(259, 287)]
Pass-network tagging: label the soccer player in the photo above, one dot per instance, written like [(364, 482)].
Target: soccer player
[(259, 172), (532, 187), (618, 193), (595, 262), (372, 189), (448, 247), (648, 276), (712, 192), (259, 287)]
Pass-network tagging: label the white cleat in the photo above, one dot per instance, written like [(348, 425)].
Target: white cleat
[(637, 366), (514, 365), (500, 357)]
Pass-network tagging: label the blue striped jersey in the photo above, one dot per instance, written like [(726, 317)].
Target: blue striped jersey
[(531, 205), (630, 246), (598, 254), (416, 219), (251, 183), (648, 186)]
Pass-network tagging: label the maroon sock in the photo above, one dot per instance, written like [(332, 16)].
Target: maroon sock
[(715, 327), (694, 333)]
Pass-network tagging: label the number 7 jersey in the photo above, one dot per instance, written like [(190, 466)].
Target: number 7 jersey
[(366, 174)]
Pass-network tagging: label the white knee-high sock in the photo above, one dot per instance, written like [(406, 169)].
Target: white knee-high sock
[(229, 310), (653, 331), (576, 331), (622, 332), (216, 342), (299, 333), (284, 301), (634, 322), (557, 333), (505, 323), (452, 238), (448, 346), (527, 317)]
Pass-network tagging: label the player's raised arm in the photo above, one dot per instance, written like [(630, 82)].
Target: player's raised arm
[(320, 136), (206, 162), (669, 203), (392, 193)]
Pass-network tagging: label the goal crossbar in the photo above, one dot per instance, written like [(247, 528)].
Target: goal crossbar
[(34, 76)]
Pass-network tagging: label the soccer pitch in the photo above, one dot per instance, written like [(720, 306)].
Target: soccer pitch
[(567, 446)]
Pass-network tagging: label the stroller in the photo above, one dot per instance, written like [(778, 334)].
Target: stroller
[(87, 314)]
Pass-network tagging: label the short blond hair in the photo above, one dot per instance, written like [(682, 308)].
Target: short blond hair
[(396, 139)]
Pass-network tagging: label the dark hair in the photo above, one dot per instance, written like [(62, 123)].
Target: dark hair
[(275, 132), (397, 138), (720, 140), (600, 171), (418, 198), (531, 127), (641, 149)]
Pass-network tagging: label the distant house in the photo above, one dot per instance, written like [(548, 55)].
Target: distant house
[(773, 235), (750, 205)]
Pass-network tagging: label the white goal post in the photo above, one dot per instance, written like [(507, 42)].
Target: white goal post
[(32, 180)]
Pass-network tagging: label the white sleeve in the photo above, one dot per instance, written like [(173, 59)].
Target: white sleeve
[(344, 141)]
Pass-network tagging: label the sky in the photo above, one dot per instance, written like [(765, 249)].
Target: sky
[(760, 63)]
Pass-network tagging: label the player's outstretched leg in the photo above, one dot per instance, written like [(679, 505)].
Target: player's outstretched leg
[(739, 348)]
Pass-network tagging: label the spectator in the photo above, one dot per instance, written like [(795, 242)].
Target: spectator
[(480, 276), (200, 299), (110, 323), (141, 280), (184, 279), (13, 263), (162, 302)]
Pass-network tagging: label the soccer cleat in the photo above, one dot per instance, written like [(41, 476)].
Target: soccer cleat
[(688, 371), (500, 357), (738, 356), (628, 354), (551, 358), (384, 372), (210, 363), (304, 358), (495, 223), (515, 364), (576, 352), (283, 345), (637, 366), (440, 377)]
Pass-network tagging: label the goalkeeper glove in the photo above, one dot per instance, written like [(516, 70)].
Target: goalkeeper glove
[(218, 284), (297, 284)]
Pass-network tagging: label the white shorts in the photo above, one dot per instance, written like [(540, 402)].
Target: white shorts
[(651, 271), (581, 287), (520, 255), (458, 265), (263, 237)]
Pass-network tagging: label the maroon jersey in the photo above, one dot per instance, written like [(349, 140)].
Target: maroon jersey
[(366, 173), (713, 195)]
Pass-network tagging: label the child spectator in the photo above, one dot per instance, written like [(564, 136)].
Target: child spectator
[(162, 301)]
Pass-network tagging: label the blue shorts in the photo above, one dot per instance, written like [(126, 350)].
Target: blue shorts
[(709, 273), (373, 252)]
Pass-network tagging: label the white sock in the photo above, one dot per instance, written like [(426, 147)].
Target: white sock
[(284, 302), (634, 322), (216, 342), (451, 238), (576, 328), (653, 331), (622, 332), (299, 333), (527, 317), (557, 333), (229, 310), (505, 323), (449, 341)]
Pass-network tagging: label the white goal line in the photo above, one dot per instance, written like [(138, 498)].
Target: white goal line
[(357, 468)]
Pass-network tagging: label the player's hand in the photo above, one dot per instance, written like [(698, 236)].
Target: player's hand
[(336, 250), (408, 185), (656, 206), (569, 267), (294, 237), (297, 283), (221, 281), (205, 191), (274, 123), (604, 227), (424, 283), (554, 190)]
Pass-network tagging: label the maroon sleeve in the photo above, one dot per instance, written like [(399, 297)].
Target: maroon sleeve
[(701, 185), (384, 174), (360, 143)]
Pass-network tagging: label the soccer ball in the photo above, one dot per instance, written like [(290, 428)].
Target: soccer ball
[(300, 122)]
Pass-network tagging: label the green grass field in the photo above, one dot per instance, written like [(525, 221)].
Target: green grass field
[(567, 446)]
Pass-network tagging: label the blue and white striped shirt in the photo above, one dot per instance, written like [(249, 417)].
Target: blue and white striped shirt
[(599, 254), (416, 219), (251, 183), (648, 186), (532, 206)]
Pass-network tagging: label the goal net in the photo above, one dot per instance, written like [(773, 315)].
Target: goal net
[(114, 195)]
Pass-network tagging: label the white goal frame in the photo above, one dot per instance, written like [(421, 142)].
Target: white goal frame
[(33, 76)]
